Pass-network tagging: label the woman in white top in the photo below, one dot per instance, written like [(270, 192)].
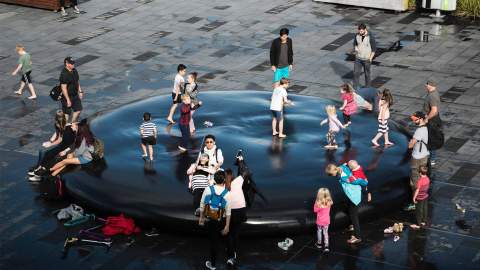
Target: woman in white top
[(238, 213)]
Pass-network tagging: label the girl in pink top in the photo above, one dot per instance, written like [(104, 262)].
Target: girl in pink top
[(349, 106), (383, 115), (322, 209)]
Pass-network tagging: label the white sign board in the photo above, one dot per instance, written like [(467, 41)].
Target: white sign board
[(397, 5)]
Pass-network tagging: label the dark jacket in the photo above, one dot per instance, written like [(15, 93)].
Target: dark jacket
[(275, 52)]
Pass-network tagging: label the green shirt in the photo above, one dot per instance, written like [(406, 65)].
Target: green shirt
[(26, 63)]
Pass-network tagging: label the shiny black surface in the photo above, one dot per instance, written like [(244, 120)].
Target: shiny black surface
[(287, 171)]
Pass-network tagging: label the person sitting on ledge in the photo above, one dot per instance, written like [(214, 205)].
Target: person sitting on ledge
[(49, 157), (82, 154)]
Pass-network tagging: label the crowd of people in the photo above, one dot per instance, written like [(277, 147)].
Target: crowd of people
[(218, 197)]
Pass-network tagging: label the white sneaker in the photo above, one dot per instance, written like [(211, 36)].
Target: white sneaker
[(283, 245), (209, 265), (76, 10), (35, 178), (64, 13), (289, 242), (231, 262)]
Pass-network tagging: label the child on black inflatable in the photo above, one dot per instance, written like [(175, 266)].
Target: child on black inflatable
[(322, 209), (334, 126), (148, 133)]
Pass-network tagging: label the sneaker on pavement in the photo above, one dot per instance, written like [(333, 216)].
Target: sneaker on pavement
[(231, 262), (409, 207), (76, 10), (151, 233), (35, 178), (283, 245), (326, 250), (318, 245), (64, 13), (289, 242), (209, 265)]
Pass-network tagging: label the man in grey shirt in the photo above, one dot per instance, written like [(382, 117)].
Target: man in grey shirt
[(420, 151), (364, 46), (431, 107)]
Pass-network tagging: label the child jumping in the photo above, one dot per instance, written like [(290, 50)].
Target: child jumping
[(148, 133), (420, 198), (349, 106), (384, 104), (334, 126), (322, 209), (279, 98)]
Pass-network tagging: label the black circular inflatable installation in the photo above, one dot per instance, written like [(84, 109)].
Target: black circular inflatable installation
[(288, 172)]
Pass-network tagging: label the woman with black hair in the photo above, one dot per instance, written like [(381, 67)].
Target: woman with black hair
[(82, 153)]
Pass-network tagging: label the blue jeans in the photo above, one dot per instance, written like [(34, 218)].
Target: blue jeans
[(185, 129)]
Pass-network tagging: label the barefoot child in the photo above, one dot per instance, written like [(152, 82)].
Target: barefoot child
[(185, 110), (177, 91), (420, 198), (349, 106), (334, 126), (148, 133), (25, 67), (279, 98), (191, 89), (383, 115), (322, 209)]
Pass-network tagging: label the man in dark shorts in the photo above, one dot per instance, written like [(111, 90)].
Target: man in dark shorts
[(72, 93), (431, 107)]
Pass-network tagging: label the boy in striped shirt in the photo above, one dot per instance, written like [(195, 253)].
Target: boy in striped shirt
[(148, 132)]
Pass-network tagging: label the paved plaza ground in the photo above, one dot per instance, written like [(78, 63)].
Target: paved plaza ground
[(128, 50)]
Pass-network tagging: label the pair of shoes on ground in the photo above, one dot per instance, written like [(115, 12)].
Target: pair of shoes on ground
[(320, 246), (35, 174), (285, 244), (230, 262), (75, 10)]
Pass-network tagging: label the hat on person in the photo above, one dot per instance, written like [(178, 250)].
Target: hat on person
[(69, 60), (418, 115)]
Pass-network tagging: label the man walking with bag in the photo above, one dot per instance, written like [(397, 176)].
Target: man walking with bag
[(72, 93), (215, 206)]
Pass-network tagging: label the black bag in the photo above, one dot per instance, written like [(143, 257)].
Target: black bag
[(436, 138), (56, 93), (53, 188)]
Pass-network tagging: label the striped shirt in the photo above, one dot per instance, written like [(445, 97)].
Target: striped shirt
[(149, 129), (200, 179)]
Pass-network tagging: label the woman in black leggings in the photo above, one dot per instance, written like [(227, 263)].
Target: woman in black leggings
[(238, 216)]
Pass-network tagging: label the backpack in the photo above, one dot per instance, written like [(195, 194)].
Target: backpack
[(56, 93), (436, 138), (215, 204), (98, 149)]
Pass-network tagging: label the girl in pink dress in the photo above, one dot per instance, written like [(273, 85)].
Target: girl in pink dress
[(322, 209), (349, 106)]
